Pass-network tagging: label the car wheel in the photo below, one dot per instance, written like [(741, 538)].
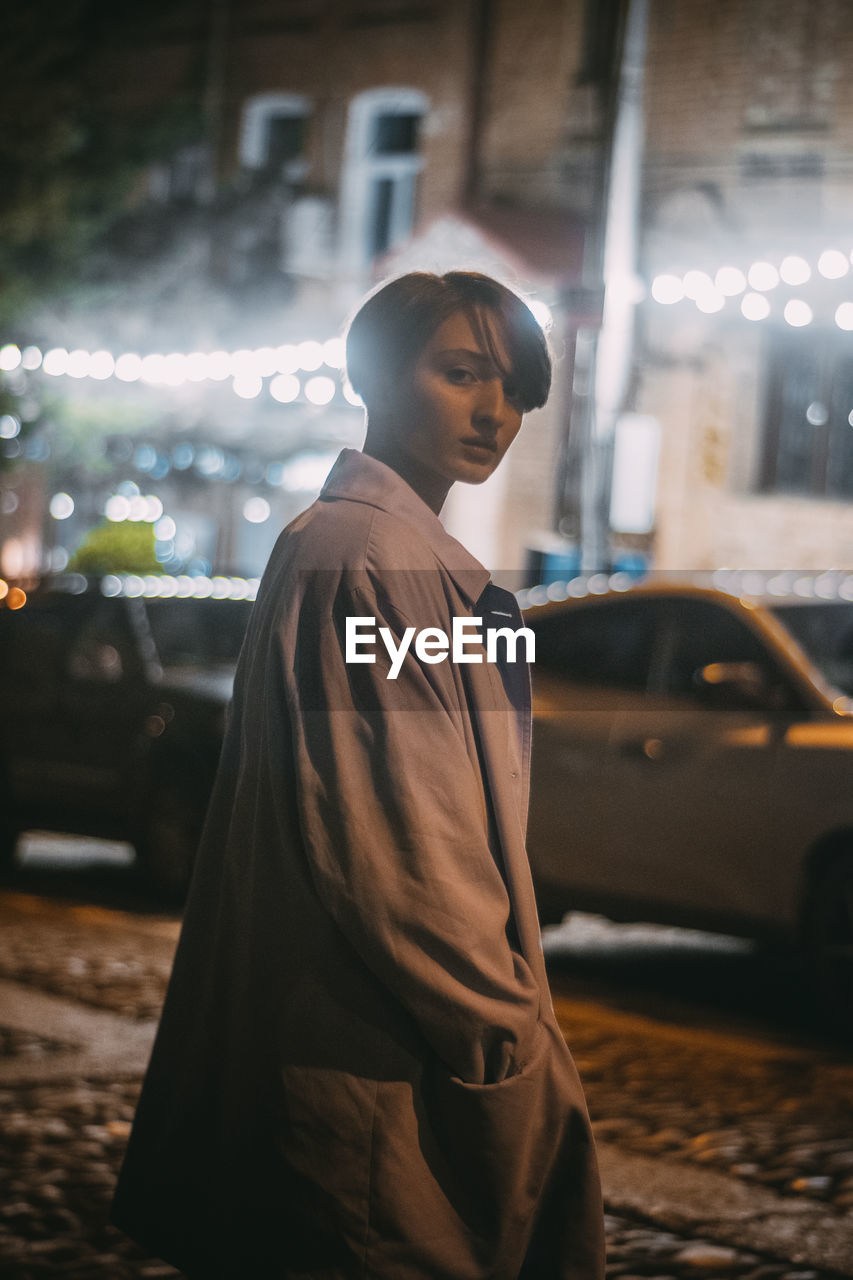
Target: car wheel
[(829, 942), (168, 846)]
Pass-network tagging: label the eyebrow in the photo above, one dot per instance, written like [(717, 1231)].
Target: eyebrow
[(482, 358)]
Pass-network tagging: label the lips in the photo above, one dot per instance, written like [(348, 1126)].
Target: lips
[(481, 442)]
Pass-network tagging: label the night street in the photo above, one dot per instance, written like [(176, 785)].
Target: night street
[(725, 1120)]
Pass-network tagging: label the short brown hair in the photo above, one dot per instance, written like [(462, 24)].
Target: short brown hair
[(396, 322)]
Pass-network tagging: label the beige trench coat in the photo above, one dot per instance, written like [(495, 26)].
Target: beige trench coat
[(358, 1072)]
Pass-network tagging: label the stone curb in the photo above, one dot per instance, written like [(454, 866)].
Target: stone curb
[(106, 1045), (705, 1203)]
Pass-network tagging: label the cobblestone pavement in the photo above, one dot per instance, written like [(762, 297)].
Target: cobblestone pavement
[(780, 1117)]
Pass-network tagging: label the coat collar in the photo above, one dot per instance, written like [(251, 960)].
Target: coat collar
[(360, 478)]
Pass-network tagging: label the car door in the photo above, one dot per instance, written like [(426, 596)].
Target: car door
[(592, 664), (106, 698), (704, 773)]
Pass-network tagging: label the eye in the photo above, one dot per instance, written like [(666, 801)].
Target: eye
[(460, 376)]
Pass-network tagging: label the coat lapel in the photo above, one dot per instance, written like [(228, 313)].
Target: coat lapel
[(504, 734)]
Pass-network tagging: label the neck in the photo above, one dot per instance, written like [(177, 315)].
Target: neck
[(431, 488)]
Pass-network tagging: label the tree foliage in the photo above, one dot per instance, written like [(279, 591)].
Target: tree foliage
[(69, 160), (123, 547)]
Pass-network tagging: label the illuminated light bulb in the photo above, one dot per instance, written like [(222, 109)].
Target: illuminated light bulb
[(265, 362), (287, 358), (710, 301), (696, 283), (61, 506), (79, 363), (137, 508), (111, 585), (795, 270), (243, 362), (10, 357), (220, 588), (175, 369), (285, 388), (153, 508), (117, 508), (755, 307), (55, 362), (320, 390), (134, 586), (541, 313), (256, 510), (667, 289), (844, 315), (247, 385), (797, 313), (151, 585), (351, 395), (833, 264), (196, 366), (309, 355), (101, 365), (763, 276), (334, 353), (31, 358), (129, 367), (202, 588), (730, 281), (218, 366), (153, 368), (168, 586), (185, 586)]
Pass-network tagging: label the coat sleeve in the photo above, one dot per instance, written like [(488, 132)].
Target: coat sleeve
[(395, 828)]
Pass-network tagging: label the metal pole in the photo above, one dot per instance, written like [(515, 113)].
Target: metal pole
[(611, 357)]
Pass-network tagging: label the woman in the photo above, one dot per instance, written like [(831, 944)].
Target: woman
[(358, 1072)]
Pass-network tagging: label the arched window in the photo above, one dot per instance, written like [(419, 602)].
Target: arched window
[(272, 134), (382, 160)]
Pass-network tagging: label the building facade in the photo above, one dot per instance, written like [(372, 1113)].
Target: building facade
[(343, 139)]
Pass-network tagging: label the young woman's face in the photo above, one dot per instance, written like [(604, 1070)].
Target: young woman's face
[(459, 412)]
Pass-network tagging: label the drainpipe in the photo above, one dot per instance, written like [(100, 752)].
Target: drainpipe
[(482, 27)]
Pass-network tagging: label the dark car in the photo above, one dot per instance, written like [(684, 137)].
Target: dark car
[(693, 759), (114, 696)]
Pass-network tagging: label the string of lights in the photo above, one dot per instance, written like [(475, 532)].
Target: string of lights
[(308, 370), (754, 286)]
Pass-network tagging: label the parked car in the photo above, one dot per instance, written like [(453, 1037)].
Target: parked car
[(693, 762), (114, 695)]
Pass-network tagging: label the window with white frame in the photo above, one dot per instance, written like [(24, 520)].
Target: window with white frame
[(273, 133), (381, 165)]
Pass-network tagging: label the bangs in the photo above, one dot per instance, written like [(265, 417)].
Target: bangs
[(395, 323), (507, 329)]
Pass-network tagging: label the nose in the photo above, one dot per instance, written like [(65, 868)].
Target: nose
[(491, 402)]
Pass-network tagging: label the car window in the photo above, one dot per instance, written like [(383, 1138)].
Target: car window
[(605, 644), (825, 631), (698, 633), (198, 633)]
